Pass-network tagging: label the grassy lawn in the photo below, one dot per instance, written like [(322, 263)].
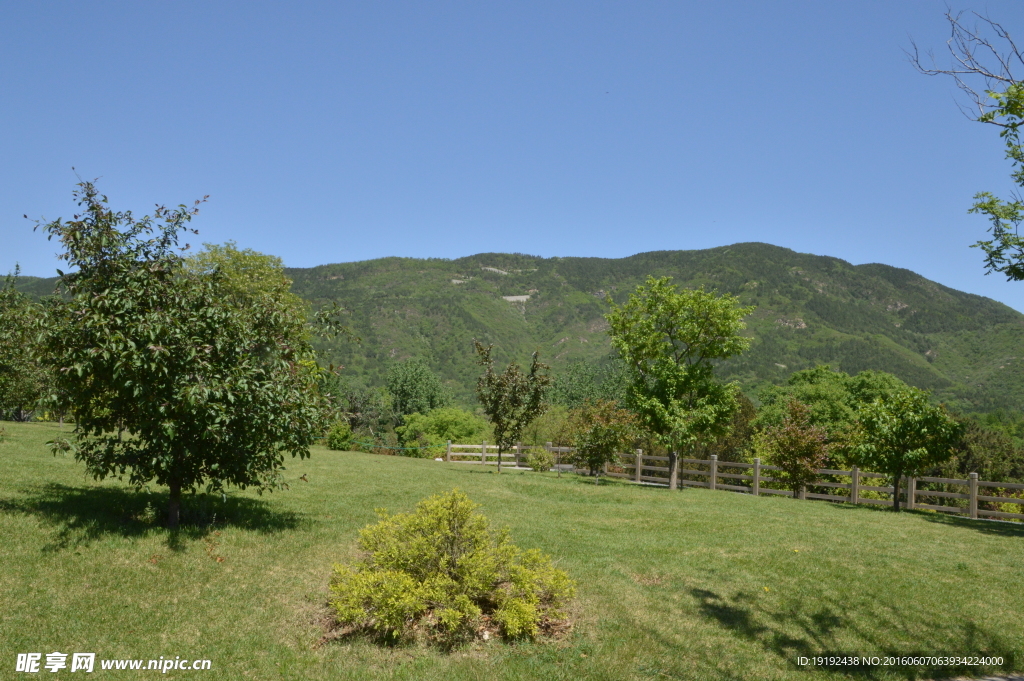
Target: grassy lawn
[(684, 585)]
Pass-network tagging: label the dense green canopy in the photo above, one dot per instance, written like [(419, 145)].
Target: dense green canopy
[(175, 374), (670, 340)]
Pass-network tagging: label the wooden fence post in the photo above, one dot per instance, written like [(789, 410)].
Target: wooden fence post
[(911, 493), (855, 486), (802, 494), (639, 463), (483, 452), (673, 470), (519, 452), (757, 476), (714, 471), (974, 495), (448, 454)]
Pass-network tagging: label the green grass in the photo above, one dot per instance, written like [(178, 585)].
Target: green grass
[(688, 585)]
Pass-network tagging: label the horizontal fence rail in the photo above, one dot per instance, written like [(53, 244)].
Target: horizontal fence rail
[(750, 478), (483, 453)]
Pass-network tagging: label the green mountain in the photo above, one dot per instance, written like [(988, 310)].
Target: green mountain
[(810, 310)]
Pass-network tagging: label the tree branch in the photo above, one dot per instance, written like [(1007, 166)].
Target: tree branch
[(975, 55)]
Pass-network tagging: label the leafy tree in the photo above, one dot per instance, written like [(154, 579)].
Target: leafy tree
[(511, 399), (734, 444), (990, 453), (248, 277), (22, 378), (173, 375), (415, 388), (903, 434), (796, 446), (1007, 423), (669, 340), (365, 409), (548, 427), (583, 382), (598, 432), (833, 398), (986, 54)]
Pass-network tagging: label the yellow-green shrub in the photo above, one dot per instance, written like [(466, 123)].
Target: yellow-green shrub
[(339, 437), (540, 460), (440, 573)]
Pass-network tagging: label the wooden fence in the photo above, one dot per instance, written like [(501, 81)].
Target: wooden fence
[(484, 453), (748, 478)]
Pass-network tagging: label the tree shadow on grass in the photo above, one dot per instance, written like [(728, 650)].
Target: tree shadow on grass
[(81, 515), (791, 632), (983, 525)]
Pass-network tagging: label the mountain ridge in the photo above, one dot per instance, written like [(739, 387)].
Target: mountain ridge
[(811, 309)]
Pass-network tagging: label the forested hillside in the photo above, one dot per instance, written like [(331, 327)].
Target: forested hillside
[(810, 310)]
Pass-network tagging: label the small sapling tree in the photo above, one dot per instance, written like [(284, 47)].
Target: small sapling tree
[(174, 374), (599, 431), (796, 446), (511, 399), (903, 434)]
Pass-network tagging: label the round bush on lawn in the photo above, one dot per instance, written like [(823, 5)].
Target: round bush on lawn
[(339, 437), (540, 460), (441, 574)]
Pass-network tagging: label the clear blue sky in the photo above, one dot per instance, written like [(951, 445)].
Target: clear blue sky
[(339, 131)]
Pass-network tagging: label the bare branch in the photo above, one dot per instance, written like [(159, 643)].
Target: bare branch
[(975, 56)]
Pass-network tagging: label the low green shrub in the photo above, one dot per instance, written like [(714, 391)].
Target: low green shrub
[(540, 460), (441, 575), (431, 431), (339, 437)]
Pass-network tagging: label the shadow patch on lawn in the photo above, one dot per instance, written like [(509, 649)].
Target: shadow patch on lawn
[(81, 515), (791, 632), (1001, 529), (983, 525)]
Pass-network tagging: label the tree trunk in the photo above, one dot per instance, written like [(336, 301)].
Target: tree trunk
[(174, 506), (499, 458)]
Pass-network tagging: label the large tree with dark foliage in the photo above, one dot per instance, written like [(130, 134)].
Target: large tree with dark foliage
[(174, 374)]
